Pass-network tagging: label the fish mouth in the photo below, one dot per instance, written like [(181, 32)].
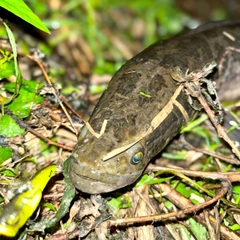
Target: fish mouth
[(89, 181), (87, 178), (90, 185)]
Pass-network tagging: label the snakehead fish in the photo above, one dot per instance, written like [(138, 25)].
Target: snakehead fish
[(130, 140)]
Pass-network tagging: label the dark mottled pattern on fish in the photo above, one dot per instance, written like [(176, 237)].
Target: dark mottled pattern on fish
[(129, 114)]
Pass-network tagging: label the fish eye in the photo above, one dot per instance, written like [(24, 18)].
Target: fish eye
[(137, 158), (135, 153)]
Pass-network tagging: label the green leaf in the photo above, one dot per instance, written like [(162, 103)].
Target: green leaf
[(95, 89), (120, 202), (150, 179), (14, 48), (8, 172), (169, 205), (175, 156), (27, 98), (144, 179), (183, 231), (198, 230), (6, 65), (186, 191), (70, 90), (8, 127), (145, 94), (17, 70), (236, 191), (46, 149), (23, 205), (159, 180), (69, 194), (50, 206), (19, 8), (5, 153), (236, 188), (194, 123), (3, 100), (22, 105), (235, 227)]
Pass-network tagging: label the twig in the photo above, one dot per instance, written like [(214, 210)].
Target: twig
[(167, 216), (221, 132), (54, 90), (181, 202), (213, 154), (39, 135), (228, 176), (192, 82)]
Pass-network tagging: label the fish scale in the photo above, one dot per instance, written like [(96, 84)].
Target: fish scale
[(130, 114)]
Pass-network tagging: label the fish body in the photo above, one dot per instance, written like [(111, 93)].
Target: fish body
[(138, 92)]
